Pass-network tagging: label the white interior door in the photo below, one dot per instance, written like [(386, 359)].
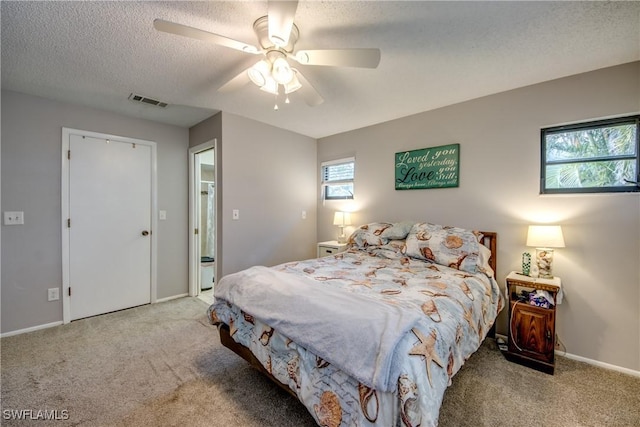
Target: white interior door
[(110, 212)]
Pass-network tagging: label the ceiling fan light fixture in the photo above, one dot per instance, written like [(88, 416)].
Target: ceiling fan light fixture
[(270, 86), (259, 73), (294, 84), (281, 71)]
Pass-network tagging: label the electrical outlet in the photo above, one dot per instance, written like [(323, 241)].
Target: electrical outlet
[(53, 294), (13, 218), (235, 214), (304, 214)]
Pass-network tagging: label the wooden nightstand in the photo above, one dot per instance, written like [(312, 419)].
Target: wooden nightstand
[(330, 247), (532, 329)]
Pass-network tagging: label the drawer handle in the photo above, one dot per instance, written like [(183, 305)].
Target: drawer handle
[(329, 251)]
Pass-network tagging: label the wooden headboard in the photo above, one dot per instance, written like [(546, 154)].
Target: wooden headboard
[(490, 240)]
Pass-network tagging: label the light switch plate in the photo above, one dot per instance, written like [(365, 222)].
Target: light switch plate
[(162, 215), (53, 294), (13, 218)]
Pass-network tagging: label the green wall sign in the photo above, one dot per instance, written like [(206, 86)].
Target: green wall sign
[(433, 167)]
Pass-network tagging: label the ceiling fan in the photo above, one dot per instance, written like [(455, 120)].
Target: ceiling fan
[(277, 36)]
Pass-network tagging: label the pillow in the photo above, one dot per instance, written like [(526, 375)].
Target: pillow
[(484, 254), (369, 235), (449, 246), (397, 231)]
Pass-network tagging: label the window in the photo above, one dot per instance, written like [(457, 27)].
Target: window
[(594, 157), (337, 179)]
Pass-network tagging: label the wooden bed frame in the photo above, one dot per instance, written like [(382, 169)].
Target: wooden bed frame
[(490, 241)]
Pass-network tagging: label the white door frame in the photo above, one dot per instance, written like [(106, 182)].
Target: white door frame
[(194, 213), (66, 133)]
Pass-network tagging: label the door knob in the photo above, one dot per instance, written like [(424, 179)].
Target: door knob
[(145, 233)]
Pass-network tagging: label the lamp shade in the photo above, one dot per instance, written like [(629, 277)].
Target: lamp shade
[(281, 71), (294, 84), (545, 236), (270, 86), (259, 72), (347, 218), (342, 218)]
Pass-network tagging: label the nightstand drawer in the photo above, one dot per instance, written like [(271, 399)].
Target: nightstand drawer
[(330, 248), (324, 251)]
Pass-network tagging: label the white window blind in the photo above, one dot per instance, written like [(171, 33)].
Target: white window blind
[(337, 179)]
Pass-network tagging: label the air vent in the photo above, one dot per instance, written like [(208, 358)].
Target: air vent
[(146, 100)]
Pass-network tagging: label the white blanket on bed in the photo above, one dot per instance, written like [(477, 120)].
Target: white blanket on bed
[(356, 333)]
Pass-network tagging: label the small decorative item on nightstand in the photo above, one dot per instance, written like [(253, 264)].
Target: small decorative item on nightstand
[(532, 320), (331, 247), (526, 263)]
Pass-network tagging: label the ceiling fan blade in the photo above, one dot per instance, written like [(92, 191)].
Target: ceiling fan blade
[(235, 83), (281, 14), (308, 92), (194, 33), (361, 58)]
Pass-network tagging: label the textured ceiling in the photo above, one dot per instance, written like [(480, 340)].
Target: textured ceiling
[(433, 54)]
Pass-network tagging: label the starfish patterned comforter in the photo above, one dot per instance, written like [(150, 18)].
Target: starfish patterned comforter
[(441, 273)]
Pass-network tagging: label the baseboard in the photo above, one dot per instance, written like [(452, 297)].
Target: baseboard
[(590, 361), (31, 329), (52, 324), (172, 297), (599, 364)]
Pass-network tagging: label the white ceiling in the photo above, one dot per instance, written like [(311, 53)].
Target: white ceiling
[(433, 54)]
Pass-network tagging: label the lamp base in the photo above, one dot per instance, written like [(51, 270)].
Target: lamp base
[(342, 238), (544, 260)]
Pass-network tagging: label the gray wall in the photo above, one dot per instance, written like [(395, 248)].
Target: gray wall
[(31, 179), (499, 139), (269, 175)]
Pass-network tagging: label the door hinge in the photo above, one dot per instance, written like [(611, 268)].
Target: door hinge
[(69, 154), (195, 231), (69, 290), (69, 223)]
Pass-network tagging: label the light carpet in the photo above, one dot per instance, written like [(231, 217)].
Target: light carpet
[(163, 365)]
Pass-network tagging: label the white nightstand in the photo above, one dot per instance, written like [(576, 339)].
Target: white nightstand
[(330, 247)]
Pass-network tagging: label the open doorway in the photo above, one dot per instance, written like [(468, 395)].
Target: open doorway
[(203, 221)]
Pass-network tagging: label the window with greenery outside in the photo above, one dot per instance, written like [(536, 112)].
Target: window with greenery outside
[(591, 157)]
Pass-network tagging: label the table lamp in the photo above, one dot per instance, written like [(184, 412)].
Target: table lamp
[(544, 238), (341, 219)]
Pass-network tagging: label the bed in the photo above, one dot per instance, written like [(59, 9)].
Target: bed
[(371, 336)]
